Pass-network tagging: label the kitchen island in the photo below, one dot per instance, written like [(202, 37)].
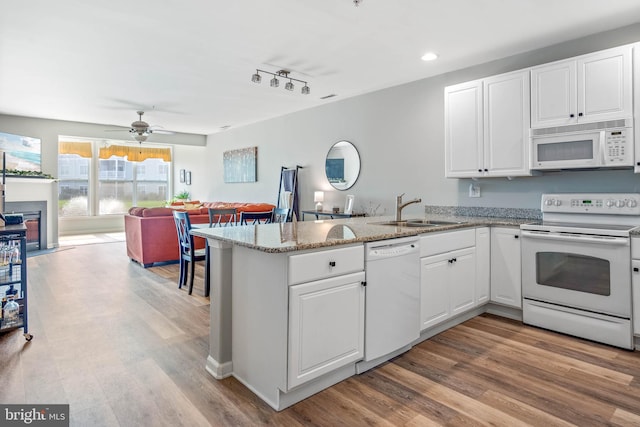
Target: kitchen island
[(271, 286)]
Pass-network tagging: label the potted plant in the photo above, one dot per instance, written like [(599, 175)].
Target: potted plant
[(183, 196)]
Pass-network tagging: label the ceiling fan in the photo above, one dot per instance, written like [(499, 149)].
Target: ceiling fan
[(141, 129)]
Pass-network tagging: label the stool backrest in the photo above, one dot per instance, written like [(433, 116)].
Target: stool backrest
[(247, 218), (220, 217)]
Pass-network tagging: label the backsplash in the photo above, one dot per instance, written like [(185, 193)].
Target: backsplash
[(479, 211)]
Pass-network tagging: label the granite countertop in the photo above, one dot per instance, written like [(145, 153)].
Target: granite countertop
[(303, 235)]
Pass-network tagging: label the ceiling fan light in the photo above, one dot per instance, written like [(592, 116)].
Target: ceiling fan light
[(289, 85), (274, 82), (305, 90), (256, 78), (140, 138)]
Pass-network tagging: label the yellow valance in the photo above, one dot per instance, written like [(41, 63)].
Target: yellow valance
[(135, 154), (82, 149)]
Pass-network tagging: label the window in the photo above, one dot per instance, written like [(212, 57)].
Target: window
[(125, 176)]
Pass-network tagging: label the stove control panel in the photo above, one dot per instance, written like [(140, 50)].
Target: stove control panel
[(594, 203)]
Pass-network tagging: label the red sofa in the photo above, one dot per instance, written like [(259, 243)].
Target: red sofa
[(151, 232)]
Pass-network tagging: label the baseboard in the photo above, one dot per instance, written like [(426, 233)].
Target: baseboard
[(219, 370)]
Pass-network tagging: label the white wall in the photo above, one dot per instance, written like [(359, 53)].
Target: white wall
[(188, 154), (399, 133)]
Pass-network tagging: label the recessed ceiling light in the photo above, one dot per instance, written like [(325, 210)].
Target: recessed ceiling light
[(429, 56)]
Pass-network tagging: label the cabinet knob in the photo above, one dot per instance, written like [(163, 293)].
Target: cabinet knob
[(516, 237), (332, 263), (636, 269), (486, 170), (479, 170), (363, 283), (572, 115), (579, 114)]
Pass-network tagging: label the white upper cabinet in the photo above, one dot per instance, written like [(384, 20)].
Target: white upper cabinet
[(463, 131), (487, 127), (636, 98), (506, 124), (587, 88)]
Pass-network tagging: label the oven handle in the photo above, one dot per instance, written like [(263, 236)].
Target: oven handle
[(583, 238)]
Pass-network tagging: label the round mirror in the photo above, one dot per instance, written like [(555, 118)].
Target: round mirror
[(342, 165)]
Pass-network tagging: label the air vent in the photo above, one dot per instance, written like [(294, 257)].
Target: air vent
[(581, 127), (225, 127), (328, 96)]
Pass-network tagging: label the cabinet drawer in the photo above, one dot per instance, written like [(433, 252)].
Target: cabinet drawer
[(323, 264), (437, 243)]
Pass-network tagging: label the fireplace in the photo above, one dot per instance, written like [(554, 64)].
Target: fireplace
[(35, 218)]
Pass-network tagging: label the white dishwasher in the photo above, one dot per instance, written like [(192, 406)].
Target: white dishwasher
[(392, 301)]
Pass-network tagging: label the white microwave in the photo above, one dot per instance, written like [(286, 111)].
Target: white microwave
[(587, 146)]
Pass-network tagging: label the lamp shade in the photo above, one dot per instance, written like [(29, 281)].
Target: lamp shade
[(318, 196)]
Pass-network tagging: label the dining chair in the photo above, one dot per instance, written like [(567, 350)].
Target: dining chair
[(280, 215), (189, 253), (222, 217), (253, 218)]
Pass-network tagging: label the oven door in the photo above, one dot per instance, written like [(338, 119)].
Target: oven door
[(577, 270)]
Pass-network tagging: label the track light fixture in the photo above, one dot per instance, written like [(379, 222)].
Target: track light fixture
[(274, 82)]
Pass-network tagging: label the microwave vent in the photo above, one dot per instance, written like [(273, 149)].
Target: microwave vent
[(581, 127)]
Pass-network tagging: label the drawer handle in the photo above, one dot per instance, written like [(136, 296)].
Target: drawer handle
[(332, 263), (636, 269)]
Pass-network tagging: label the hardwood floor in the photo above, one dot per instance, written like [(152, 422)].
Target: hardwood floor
[(124, 347)]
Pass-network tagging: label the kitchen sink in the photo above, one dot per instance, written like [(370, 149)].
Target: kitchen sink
[(418, 223)]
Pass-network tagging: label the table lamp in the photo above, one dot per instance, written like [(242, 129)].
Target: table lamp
[(318, 197)]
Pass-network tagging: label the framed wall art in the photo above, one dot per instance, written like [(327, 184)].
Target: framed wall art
[(23, 153), (182, 175), (240, 165), (187, 178)]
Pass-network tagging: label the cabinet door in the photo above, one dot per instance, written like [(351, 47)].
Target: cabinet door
[(434, 289), (483, 270), (506, 124), (604, 85), (553, 94), (463, 130), (326, 326), (636, 105), (506, 282), (635, 285), (462, 280)]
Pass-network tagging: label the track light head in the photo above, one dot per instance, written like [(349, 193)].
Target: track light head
[(289, 85), (274, 82), (256, 78), (305, 90)]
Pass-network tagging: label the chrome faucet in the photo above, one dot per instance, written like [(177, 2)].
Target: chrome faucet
[(400, 206)]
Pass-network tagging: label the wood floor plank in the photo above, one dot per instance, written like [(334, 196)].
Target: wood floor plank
[(462, 403), (125, 347)]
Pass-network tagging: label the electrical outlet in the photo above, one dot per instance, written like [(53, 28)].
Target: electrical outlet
[(474, 190)]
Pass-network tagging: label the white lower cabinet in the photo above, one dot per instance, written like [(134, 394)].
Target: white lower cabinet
[(635, 290), (483, 265), (326, 326), (298, 320), (635, 284), (506, 281), (447, 280)]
